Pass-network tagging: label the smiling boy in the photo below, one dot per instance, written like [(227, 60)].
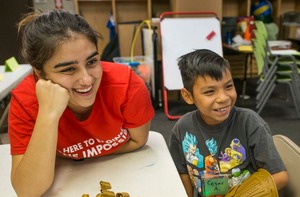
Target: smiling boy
[(224, 137)]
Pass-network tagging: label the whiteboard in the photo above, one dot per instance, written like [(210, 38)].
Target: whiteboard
[(183, 35)]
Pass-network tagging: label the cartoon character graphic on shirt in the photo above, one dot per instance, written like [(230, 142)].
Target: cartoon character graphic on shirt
[(195, 177), (194, 159), (211, 169), (211, 163), (190, 150), (232, 156)]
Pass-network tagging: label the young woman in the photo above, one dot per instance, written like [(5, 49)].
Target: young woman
[(72, 105)]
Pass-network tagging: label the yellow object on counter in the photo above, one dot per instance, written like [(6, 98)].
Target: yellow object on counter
[(245, 48)]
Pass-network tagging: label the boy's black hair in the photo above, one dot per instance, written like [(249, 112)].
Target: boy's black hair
[(200, 63)]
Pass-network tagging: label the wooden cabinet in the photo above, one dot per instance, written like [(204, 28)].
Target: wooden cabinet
[(160, 6), (282, 6), (233, 8), (98, 12), (243, 7)]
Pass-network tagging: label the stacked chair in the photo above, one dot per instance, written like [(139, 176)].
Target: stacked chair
[(273, 70), (262, 35)]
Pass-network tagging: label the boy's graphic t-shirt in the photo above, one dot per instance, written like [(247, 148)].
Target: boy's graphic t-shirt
[(243, 142), (213, 163), (122, 102)]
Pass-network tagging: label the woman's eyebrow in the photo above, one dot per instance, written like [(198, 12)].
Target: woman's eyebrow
[(74, 62), (65, 64), (93, 54)]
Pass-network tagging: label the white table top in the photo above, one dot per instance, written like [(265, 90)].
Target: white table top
[(12, 79), (147, 172), (285, 52)]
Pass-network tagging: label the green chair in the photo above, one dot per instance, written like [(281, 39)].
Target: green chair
[(272, 72), (267, 80), (284, 62), (262, 35)]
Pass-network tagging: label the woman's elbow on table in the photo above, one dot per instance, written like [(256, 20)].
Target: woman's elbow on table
[(138, 138), (140, 134), (30, 190), (26, 184)]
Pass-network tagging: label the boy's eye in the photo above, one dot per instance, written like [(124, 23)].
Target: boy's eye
[(229, 86), (208, 92)]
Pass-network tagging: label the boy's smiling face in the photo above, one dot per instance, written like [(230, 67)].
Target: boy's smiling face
[(214, 99)]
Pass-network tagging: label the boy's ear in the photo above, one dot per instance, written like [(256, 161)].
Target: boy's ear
[(187, 96)]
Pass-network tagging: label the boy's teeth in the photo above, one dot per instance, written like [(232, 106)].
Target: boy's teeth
[(223, 109)]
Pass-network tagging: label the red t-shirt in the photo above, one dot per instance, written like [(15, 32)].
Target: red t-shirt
[(122, 102)]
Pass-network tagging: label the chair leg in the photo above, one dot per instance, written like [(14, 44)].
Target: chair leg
[(295, 99), (263, 92), (166, 106), (261, 104)]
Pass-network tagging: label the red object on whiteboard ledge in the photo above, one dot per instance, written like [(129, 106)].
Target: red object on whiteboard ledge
[(210, 35)]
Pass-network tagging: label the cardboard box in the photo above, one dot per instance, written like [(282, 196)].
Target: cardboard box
[(291, 32), (197, 6)]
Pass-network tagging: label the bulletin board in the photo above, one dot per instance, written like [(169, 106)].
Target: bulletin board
[(183, 35)]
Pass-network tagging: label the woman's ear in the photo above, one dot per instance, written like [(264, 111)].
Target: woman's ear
[(37, 72), (187, 96)]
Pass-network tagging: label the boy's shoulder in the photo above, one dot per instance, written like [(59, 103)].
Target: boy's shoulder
[(245, 111), (248, 114), (189, 115)]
